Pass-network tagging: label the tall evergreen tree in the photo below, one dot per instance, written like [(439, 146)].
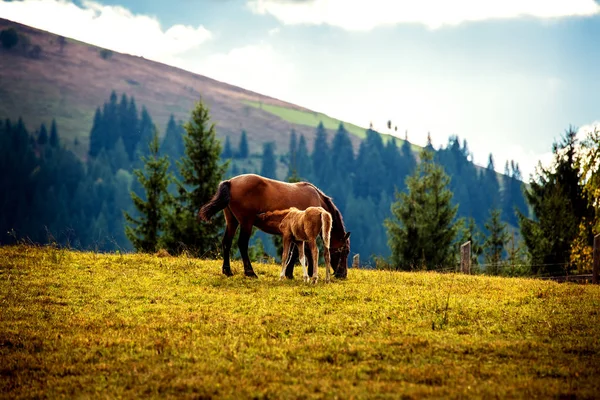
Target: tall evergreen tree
[(227, 152), (144, 232), (342, 153), (495, 242), (54, 140), (422, 229), (172, 144), (201, 173), (113, 122), (269, 163), (490, 184), (96, 134), (370, 177), (130, 128), (320, 157), (243, 151), (293, 149), (146, 132), (559, 205), (43, 135), (303, 161)]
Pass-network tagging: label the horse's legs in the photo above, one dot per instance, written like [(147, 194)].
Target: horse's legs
[(327, 257), (285, 256), (314, 251), (303, 262), (245, 232), (230, 229)]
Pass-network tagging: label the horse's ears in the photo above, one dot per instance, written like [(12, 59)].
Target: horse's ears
[(347, 235)]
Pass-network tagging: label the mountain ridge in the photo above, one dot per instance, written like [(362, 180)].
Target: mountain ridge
[(69, 82)]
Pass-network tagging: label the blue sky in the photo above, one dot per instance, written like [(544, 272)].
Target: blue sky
[(508, 76)]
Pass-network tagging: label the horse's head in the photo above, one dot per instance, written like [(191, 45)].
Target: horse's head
[(339, 257)]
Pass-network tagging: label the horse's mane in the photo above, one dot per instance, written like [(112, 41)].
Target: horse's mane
[(333, 210)]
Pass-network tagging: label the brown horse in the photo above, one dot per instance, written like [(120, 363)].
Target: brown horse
[(245, 196), (300, 227)]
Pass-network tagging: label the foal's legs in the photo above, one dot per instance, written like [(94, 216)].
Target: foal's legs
[(230, 229), (302, 256), (245, 232), (314, 250), (285, 256)]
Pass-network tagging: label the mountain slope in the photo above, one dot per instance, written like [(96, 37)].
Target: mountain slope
[(68, 84)]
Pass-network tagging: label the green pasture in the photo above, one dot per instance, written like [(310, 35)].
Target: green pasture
[(87, 325)]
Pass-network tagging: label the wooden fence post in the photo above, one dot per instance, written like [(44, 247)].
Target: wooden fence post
[(465, 258), (596, 267), (356, 261)]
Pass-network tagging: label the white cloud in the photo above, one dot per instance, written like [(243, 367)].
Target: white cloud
[(254, 67), (362, 15), (111, 27)]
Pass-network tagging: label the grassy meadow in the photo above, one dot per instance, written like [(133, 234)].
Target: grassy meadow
[(81, 324)]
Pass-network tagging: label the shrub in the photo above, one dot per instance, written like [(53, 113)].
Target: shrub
[(9, 38)]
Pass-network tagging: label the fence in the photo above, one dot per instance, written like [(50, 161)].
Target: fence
[(465, 265)]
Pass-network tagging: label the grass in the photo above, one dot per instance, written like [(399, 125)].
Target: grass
[(75, 324)]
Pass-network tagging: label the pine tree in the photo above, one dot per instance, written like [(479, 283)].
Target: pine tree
[(320, 157), (118, 157), (422, 229), (130, 128), (97, 134), (559, 205), (172, 144), (243, 151), (227, 152), (146, 132), (342, 154), (303, 161), (43, 135), (293, 150), (54, 140), (112, 121), (269, 163), (495, 242), (201, 174), (491, 185), (370, 177), (144, 232)]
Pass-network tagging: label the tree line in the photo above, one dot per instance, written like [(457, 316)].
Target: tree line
[(88, 204)]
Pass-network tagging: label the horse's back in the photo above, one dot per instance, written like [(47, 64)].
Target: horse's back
[(255, 193)]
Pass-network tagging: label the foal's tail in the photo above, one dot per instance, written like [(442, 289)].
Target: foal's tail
[(326, 228), (218, 202)]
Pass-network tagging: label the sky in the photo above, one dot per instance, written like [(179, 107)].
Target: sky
[(508, 76)]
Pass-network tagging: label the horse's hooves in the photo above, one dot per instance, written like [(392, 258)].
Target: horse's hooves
[(250, 274), (227, 271)]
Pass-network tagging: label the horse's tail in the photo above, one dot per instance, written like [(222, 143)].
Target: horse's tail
[(218, 202), (326, 222)]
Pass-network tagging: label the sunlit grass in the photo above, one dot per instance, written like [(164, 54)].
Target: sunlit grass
[(86, 324), (313, 119)]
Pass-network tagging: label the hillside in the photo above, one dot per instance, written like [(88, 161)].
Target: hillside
[(69, 84), (77, 324)]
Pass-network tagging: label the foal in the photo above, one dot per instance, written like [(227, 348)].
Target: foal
[(299, 227)]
